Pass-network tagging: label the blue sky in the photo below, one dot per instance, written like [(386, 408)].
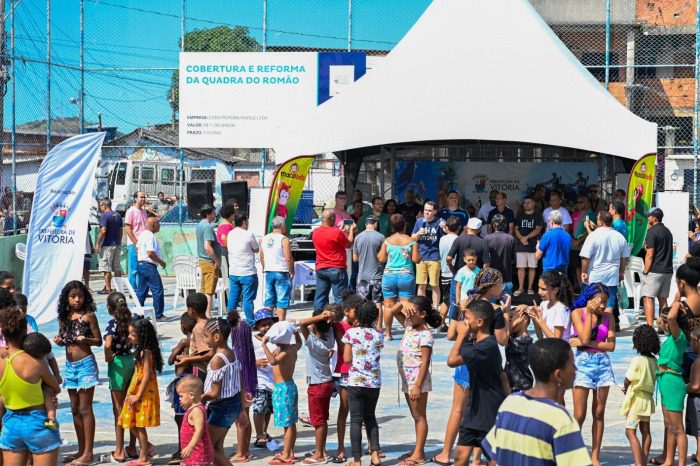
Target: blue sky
[(145, 34)]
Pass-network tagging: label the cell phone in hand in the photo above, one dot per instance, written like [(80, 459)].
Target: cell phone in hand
[(347, 221)]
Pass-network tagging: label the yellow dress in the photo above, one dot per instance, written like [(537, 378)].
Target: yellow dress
[(639, 399), (144, 413)]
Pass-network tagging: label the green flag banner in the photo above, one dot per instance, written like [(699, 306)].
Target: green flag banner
[(640, 192), (286, 189)]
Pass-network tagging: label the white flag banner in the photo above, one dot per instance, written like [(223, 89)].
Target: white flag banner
[(59, 222)]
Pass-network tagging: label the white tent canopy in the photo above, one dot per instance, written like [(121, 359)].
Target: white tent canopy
[(474, 69)]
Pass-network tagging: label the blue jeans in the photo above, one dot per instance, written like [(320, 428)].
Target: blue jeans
[(132, 264), (245, 288), (278, 289), (149, 278), (327, 280)]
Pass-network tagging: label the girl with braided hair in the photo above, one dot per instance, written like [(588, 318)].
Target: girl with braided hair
[(142, 404), (120, 367), (222, 387)]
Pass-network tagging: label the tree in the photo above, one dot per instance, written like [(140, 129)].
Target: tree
[(218, 39)]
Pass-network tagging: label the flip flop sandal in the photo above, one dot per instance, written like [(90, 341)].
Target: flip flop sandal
[(408, 462), (517, 293), (338, 459), (441, 463), (311, 461), (242, 459), (278, 461), (260, 443)]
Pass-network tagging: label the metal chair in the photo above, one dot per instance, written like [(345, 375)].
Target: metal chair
[(186, 270), (122, 285)]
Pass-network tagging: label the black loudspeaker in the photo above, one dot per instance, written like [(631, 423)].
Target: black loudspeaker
[(237, 190), (198, 194)]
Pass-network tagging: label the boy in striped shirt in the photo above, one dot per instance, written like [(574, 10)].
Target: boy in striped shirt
[(531, 428)]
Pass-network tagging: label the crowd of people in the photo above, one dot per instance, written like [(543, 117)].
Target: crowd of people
[(537, 281)]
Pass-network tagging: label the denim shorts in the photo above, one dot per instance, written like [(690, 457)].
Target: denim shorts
[(81, 375), (461, 376), (398, 285), (593, 370), (278, 289), (25, 430), (223, 413)]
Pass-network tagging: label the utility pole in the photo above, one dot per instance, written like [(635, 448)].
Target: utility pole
[(4, 76)]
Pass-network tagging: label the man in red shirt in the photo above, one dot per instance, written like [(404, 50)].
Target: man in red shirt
[(331, 243)]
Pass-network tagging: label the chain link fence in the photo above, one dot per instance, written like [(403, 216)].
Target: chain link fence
[(112, 65)]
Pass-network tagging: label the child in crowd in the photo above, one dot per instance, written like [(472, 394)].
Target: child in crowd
[(593, 336), (120, 366), (320, 343), (519, 341), (182, 347), (488, 285), (464, 278), (285, 397), (38, 346), (343, 322), (692, 410), (22, 303), (262, 403), (670, 379), (77, 332), (142, 404), (195, 443), (7, 281), (484, 360), (222, 387), (199, 352), (640, 380), (413, 360), (362, 348), (552, 318)]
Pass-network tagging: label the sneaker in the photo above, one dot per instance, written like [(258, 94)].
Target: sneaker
[(162, 318)]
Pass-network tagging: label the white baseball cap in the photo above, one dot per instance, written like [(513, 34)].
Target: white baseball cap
[(474, 223)]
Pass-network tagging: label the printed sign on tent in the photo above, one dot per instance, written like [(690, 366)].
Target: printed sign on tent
[(474, 180)]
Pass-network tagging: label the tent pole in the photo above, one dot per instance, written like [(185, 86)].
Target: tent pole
[(696, 108), (349, 25), (607, 44)]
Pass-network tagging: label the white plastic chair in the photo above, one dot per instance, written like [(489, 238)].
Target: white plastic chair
[(220, 297), (633, 285), (186, 272), (21, 251), (123, 286)]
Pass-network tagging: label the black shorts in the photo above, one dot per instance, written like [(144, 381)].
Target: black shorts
[(470, 437), (445, 284), (692, 415), (370, 289)]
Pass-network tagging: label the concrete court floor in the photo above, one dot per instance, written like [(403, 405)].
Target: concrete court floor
[(396, 429)]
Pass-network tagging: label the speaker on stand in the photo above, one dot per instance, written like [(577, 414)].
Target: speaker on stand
[(199, 194), (236, 190)]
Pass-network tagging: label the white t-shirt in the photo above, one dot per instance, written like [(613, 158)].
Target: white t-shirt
[(242, 246), (557, 316), (265, 380), (445, 245), (604, 248), (147, 242), (565, 215)]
